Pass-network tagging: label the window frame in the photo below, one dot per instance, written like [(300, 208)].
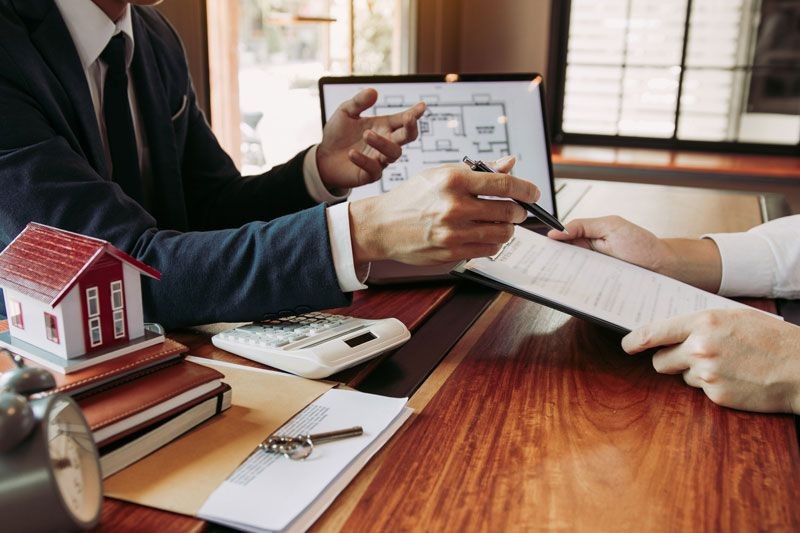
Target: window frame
[(119, 317), (116, 289), (17, 320), (51, 328), (557, 77), (92, 294), (98, 328)]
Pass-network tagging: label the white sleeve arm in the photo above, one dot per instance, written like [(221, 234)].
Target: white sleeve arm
[(764, 261), (342, 249), (338, 218), (316, 189)]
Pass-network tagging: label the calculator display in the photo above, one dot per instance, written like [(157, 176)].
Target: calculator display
[(361, 339)]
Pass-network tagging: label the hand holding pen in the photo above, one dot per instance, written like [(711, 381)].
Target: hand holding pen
[(444, 214), (533, 209)]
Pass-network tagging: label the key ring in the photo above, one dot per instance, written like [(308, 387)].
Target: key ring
[(299, 447), (295, 448)]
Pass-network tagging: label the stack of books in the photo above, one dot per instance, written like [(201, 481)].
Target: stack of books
[(74, 307), (139, 402)]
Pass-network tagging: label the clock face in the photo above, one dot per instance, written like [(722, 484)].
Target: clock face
[(74, 460)]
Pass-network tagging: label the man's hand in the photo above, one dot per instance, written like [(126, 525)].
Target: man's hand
[(437, 216), (694, 261), (355, 149), (741, 358)]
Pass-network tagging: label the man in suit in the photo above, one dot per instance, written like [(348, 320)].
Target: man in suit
[(100, 133), (740, 358)]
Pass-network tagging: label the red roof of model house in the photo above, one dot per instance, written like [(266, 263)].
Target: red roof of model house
[(45, 263)]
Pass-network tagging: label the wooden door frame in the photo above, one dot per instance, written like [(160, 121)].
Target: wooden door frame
[(223, 74)]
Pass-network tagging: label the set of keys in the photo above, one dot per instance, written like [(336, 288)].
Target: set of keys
[(300, 447)]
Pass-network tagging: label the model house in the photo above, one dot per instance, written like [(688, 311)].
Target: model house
[(71, 295)]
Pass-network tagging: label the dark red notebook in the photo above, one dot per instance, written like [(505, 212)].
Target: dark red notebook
[(117, 410)]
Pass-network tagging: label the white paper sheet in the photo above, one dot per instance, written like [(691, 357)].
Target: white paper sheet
[(269, 492), (593, 283)]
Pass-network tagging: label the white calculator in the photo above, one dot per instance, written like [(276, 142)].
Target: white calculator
[(313, 345)]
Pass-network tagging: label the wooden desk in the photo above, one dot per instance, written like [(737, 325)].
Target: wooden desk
[(544, 423), (571, 159), (539, 420), (776, 174), (723, 211)]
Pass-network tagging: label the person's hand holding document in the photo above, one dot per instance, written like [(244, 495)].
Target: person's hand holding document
[(740, 357), (624, 277), (693, 261)]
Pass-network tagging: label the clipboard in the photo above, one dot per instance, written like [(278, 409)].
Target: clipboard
[(587, 284), (460, 271)]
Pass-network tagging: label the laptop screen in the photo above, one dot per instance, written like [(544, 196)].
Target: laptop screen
[(484, 117)]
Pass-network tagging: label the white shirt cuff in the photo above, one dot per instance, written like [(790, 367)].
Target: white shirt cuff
[(316, 189), (338, 217), (748, 264)]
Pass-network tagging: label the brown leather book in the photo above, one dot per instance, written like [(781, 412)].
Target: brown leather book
[(124, 367), (130, 448), (117, 410)]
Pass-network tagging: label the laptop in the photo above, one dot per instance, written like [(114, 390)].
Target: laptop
[(483, 116)]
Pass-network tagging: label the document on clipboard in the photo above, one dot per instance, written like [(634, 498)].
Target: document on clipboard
[(587, 284)]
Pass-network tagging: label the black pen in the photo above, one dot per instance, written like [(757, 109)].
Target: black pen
[(533, 209)]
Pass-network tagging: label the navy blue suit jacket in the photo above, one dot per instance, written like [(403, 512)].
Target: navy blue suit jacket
[(230, 248)]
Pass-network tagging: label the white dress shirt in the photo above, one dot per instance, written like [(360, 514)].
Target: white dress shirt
[(764, 261), (91, 31)]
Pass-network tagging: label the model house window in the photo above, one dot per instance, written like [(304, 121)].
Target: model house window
[(116, 295), (119, 324), (679, 73), (51, 327), (280, 50), (95, 333), (15, 314), (92, 302)]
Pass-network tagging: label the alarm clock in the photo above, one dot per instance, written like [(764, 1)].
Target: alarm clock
[(50, 476)]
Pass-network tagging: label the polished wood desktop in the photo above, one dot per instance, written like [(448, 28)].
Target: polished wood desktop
[(758, 173), (544, 423), (619, 160), (537, 420), (723, 211)]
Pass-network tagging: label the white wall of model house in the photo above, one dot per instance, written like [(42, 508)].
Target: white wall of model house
[(132, 281), (71, 342)]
